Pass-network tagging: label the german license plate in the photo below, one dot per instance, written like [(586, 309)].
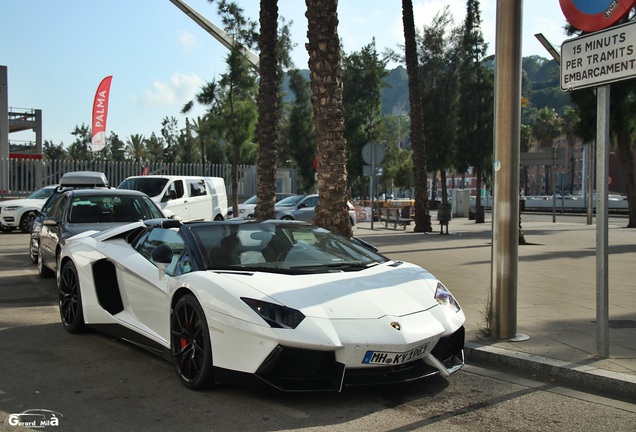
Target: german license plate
[(391, 358)]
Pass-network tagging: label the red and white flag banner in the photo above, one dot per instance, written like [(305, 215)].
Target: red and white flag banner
[(100, 113)]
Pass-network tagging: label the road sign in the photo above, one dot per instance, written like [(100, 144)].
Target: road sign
[(372, 153), (538, 159), (599, 58), (594, 15)]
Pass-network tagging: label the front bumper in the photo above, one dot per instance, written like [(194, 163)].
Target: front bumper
[(294, 369), (8, 219)]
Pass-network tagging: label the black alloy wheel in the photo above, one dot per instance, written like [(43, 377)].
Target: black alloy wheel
[(26, 221), (71, 299), (190, 344)]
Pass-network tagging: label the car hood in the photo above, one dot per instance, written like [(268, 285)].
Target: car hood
[(71, 229), (386, 289), (25, 202)]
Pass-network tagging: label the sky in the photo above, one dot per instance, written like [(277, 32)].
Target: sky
[(57, 52)]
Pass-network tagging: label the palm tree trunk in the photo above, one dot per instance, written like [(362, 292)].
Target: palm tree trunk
[(326, 85), (268, 110), (422, 215)]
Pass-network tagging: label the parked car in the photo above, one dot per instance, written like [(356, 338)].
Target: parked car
[(68, 181), (305, 210), (191, 198), (288, 202), (246, 208), (282, 303), (20, 213), (80, 210)]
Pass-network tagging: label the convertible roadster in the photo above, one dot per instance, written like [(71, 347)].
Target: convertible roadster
[(282, 303)]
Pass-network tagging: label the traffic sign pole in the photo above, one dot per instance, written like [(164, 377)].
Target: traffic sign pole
[(602, 190)]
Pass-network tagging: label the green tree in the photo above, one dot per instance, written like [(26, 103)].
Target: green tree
[(80, 149), (440, 60), (188, 144), (170, 133), (51, 152), (546, 128), (363, 80), (115, 148), (476, 104), (136, 148), (525, 144), (301, 132), (397, 168), (324, 51), (154, 148), (622, 130), (422, 215)]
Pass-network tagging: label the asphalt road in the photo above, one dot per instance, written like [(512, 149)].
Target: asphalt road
[(98, 383)]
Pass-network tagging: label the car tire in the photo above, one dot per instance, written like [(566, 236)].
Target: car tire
[(43, 271), (26, 221), (288, 218), (190, 344), (70, 296), (33, 255)]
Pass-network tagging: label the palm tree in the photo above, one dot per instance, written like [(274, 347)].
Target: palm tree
[(200, 127), (422, 216), (268, 110), (546, 128), (136, 148), (326, 85)]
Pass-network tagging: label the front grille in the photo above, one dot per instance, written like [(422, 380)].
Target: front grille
[(450, 346), (296, 369)]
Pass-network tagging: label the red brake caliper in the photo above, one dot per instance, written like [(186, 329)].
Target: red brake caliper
[(184, 342)]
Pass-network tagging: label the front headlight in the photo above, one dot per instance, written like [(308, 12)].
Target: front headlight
[(445, 298), (276, 316), (12, 208)]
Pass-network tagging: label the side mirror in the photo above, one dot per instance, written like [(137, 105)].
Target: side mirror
[(50, 222), (302, 205), (162, 257)]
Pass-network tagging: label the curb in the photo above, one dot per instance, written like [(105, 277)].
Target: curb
[(589, 378)]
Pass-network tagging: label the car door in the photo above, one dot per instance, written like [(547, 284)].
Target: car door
[(51, 230), (176, 199), (199, 201), (306, 209), (145, 292)]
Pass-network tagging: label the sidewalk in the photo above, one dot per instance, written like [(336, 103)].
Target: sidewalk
[(556, 294)]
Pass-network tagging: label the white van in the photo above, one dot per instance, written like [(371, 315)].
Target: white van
[(191, 198)]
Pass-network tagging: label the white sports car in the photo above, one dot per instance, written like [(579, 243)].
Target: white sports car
[(282, 303)]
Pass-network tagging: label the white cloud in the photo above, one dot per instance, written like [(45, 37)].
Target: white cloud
[(178, 90), (187, 41)]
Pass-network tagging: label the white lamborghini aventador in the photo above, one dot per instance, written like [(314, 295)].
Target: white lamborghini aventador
[(282, 303)]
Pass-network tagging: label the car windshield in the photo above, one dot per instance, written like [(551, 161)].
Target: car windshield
[(43, 193), (251, 200), (280, 247), (112, 208), (289, 201), (151, 186)]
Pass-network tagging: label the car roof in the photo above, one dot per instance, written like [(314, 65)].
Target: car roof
[(105, 192)]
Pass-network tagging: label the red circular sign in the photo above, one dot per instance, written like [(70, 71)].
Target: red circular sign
[(594, 15)]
